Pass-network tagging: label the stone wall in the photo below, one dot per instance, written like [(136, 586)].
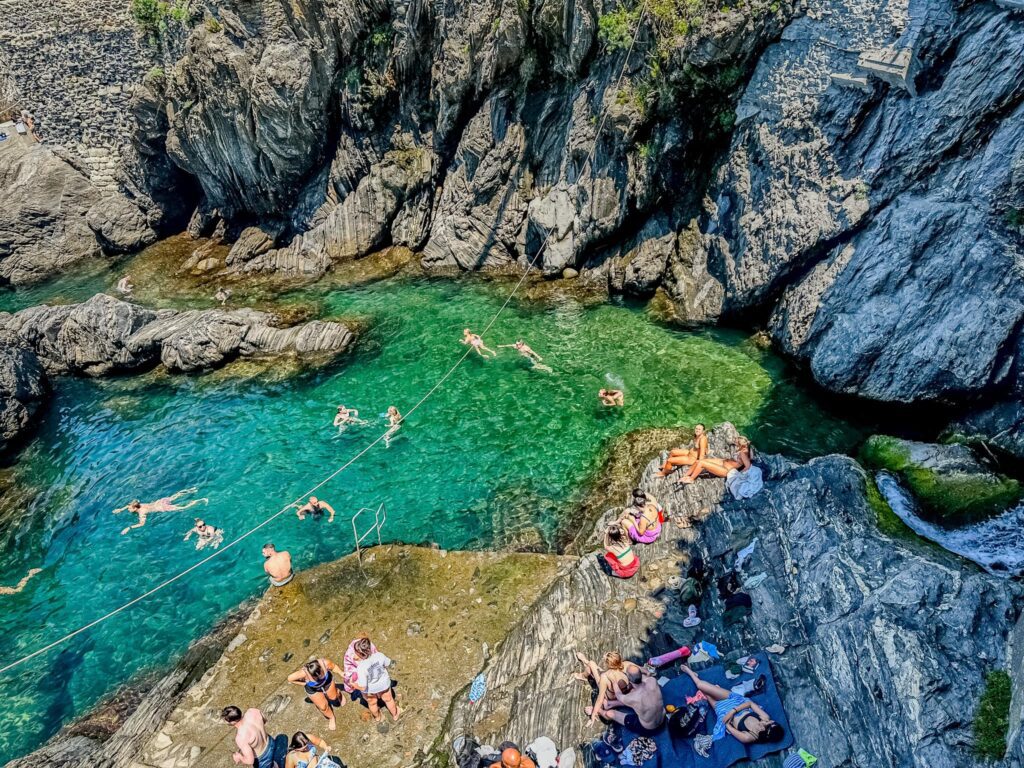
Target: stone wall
[(75, 64)]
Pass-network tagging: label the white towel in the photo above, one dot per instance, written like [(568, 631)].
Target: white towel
[(743, 485)]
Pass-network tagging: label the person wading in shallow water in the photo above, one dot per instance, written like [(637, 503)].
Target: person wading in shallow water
[(254, 745), (278, 565), (21, 584), (166, 504)]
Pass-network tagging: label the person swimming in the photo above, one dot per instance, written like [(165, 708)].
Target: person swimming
[(166, 504), (741, 460), (612, 397), (536, 361), (21, 584), (395, 420), (208, 536), (687, 457), (315, 508), (476, 343), (346, 416)]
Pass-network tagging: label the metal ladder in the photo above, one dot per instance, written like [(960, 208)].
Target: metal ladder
[(380, 516)]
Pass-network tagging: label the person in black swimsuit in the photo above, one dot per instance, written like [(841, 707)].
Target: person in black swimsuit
[(315, 508), (317, 677)]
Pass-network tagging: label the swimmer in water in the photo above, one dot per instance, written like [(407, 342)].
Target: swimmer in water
[(395, 420), (166, 504), (21, 584), (612, 397), (207, 535), (222, 295), (524, 349), (346, 416), (476, 343), (124, 286), (315, 508)]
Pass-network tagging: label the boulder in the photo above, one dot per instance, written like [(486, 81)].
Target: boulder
[(23, 389)]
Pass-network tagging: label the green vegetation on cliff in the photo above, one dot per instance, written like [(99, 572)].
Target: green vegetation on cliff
[(953, 498), (992, 718)]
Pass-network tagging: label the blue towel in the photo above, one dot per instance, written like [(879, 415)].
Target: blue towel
[(726, 751)]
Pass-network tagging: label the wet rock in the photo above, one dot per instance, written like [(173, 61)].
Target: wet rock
[(23, 389)]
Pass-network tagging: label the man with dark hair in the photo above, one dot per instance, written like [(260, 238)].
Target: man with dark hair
[(254, 745), (644, 707), (277, 565)]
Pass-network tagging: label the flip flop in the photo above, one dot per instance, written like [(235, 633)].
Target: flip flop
[(692, 619)]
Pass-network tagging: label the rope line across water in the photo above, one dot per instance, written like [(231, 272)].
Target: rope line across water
[(440, 382)]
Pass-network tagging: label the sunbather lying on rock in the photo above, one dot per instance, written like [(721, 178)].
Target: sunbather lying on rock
[(721, 467), (687, 457), (737, 715)]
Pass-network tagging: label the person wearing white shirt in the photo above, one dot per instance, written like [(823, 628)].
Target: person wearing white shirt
[(373, 680)]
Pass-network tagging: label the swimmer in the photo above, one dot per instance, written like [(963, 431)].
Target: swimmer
[(524, 349), (315, 507), (166, 504), (395, 420), (207, 535), (687, 457), (477, 343), (124, 286), (612, 397), (21, 584), (277, 565), (222, 295), (346, 416)]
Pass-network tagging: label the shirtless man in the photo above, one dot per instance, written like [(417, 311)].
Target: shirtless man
[(686, 457), (315, 507), (166, 504), (207, 535), (254, 745), (643, 696), (612, 397), (524, 349), (21, 584), (278, 565)]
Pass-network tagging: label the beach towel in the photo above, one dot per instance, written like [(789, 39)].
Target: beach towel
[(743, 485), (673, 753)]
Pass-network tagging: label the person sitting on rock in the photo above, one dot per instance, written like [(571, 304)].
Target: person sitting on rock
[(618, 553), (613, 398), (741, 461), (166, 504), (737, 715), (277, 565), (638, 703), (643, 519), (687, 457), (315, 508), (318, 679), (605, 681), (511, 757), (124, 286), (308, 751)]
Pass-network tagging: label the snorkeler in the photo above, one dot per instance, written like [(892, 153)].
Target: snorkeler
[(477, 343), (166, 504), (346, 416), (21, 584), (524, 349), (395, 420), (612, 397), (315, 508), (208, 536)]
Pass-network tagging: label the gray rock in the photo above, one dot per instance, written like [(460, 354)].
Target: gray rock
[(23, 389), (1002, 424)]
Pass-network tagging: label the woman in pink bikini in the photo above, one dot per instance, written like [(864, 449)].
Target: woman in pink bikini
[(166, 504), (476, 343), (643, 519)]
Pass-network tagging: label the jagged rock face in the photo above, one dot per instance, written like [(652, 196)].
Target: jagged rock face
[(52, 216), (1002, 424), (105, 335), (23, 389), (880, 216), (887, 647)]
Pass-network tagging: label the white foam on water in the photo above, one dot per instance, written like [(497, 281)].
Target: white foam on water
[(996, 544)]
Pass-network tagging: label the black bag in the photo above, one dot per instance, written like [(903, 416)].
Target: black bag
[(687, 722)]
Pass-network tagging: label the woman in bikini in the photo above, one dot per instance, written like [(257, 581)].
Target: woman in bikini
[(618, 552), (395, 420), (721, 467), (317, 677), (166, 504), (737, 715), (686, 457), (208, 535), (307, 752), (476, 343), (643, 519), (606, 680)]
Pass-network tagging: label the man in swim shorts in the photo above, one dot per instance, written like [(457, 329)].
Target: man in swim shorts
[(316, 508), (278, 565), (643, 708), (254, 745)]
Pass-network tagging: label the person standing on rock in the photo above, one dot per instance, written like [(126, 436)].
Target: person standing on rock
[(373, 680), (277, 565), (476, 343), (166, 504), (318, 679), (254, 745), (687, 457)]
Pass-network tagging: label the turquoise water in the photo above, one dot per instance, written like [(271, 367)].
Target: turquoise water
[(499, 447)]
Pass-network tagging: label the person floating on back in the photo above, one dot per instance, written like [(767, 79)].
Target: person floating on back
[(315, 509), (476, 343), (277, 565), (166, 504)]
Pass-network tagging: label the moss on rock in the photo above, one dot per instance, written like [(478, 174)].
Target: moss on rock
[(992, 718), (954, 496)]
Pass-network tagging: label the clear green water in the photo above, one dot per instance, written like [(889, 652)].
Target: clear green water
[(498, 447)]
